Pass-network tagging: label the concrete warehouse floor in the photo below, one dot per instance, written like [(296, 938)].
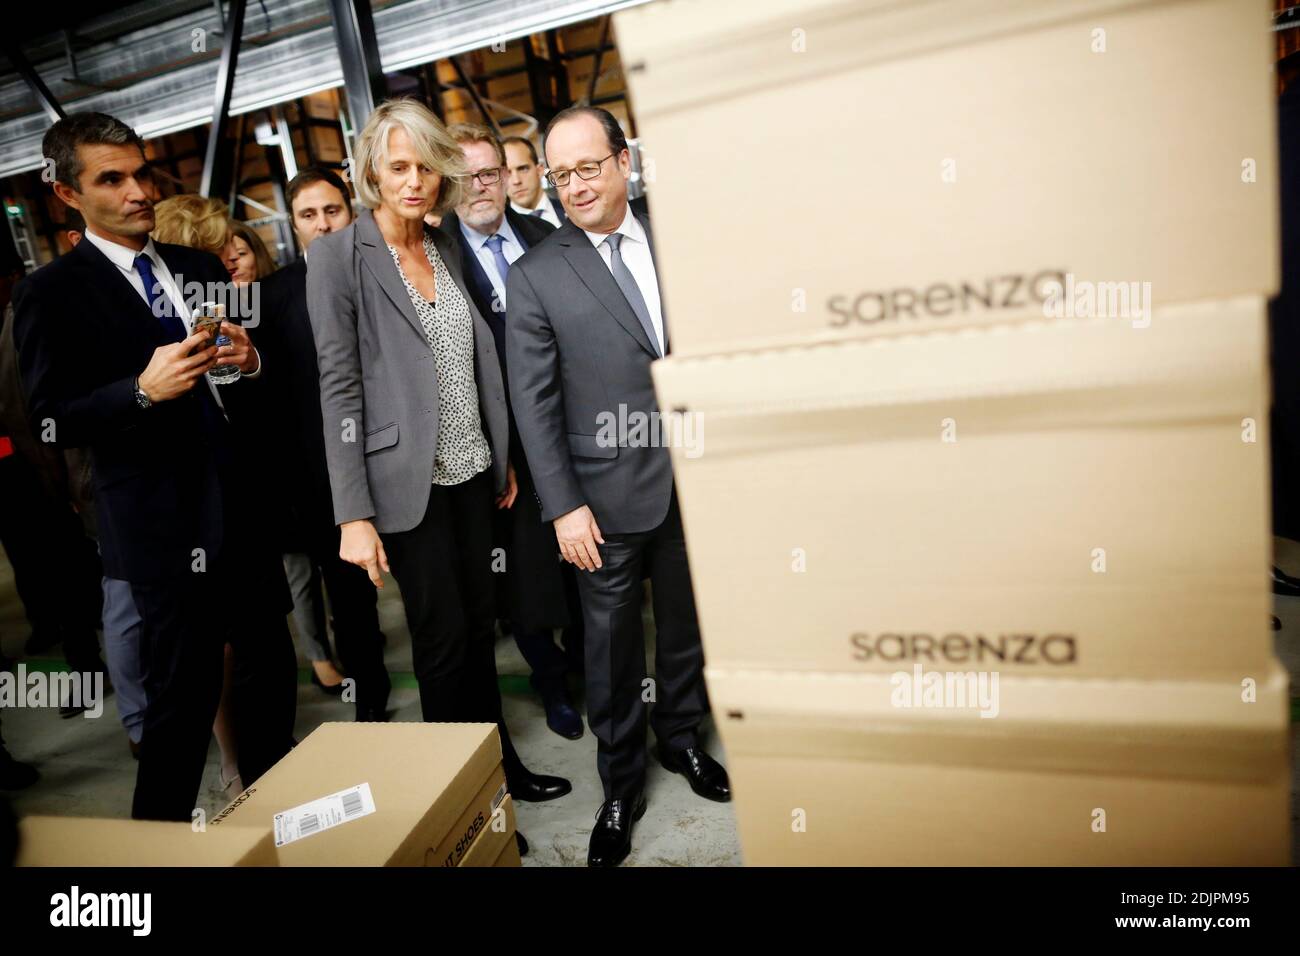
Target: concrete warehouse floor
[(86, 768)]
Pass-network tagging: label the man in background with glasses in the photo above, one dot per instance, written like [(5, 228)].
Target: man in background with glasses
[(586, 321), (536, 594)]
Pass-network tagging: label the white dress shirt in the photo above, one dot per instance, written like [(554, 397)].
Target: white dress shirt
[(511, 248), (635, 250), (544, 207), (124, 259)]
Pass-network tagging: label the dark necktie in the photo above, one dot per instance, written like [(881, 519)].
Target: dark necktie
[(159, 303), (161, 306)]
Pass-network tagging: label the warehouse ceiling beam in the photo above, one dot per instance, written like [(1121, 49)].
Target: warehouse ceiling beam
[(595, 67), (217, 159), (363, 76), (34, 82), (470, 88)]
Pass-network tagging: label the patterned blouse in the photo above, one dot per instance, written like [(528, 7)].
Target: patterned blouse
[(462, 451)]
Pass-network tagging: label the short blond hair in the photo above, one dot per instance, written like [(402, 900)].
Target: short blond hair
[(192, 220), (433, 145), (478, 133)]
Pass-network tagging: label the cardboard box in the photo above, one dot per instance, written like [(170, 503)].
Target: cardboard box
[(1069, 498), (611, 75), (512, 92), (496, 843), (1072, 511), (406, 794), (826, 770), (876, 158), (79, 841), (584, 36)]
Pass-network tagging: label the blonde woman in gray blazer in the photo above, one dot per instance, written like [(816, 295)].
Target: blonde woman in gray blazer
[(415, 420)]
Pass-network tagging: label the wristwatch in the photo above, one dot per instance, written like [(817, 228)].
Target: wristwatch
[(141, 398)]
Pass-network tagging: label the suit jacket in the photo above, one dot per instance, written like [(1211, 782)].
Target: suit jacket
[(530, 230), (65, 474), (292, 433), (164, 483), (378, 386), (578, 355)]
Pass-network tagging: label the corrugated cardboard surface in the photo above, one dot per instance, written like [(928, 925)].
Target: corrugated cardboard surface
[(493, 845), (79, 841), (464, 836), (853, 189), (422, 777), (1097, 512), (862, 813)]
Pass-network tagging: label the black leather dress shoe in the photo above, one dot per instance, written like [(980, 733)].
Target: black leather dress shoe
[(373, 715), (521, 843), (529, 787), (561, 716), (707, 777), (1284, 584), (611, 840)]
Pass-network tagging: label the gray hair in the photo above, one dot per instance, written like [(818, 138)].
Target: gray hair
[(435, 147), (83, 129)]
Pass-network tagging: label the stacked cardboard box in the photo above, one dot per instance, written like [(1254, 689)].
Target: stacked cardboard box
[(969, 321), (402, 794), (78, 842)]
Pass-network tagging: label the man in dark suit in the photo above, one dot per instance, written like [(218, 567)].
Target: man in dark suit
[(585, 324), (294, 441), (107, 362), (536, 592)]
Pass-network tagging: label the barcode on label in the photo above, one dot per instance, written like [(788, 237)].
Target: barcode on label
[(499, 796), (324, 814)]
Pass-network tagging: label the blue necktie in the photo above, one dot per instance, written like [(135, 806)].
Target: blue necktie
[(153, 292), (503, 267), (212, 416)]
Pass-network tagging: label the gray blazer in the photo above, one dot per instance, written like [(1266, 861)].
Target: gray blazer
[(575, 350), (378, 381)]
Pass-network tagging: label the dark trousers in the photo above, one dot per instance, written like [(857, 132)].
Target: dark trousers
[(548, 662), (443, 567), (56, 566), (185, 625), (615, 650), (181, 662), (354, 609)]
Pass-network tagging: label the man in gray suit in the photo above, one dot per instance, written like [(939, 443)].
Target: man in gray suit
[(585, 323)]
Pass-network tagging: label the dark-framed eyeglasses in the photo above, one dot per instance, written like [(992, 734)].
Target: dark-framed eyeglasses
[(488, 177), (559, 178)]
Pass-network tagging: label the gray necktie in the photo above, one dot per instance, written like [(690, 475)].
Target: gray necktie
[(631, 291)]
